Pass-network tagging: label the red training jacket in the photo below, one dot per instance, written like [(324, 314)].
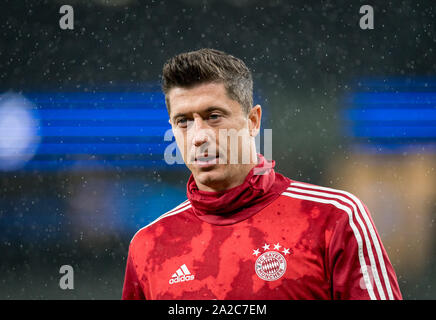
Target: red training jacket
[(269, 238)]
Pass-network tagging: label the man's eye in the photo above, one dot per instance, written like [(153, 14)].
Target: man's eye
[(214, 116), (181, 121)]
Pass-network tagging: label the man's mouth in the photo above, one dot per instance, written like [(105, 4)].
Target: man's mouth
[(206, 160)]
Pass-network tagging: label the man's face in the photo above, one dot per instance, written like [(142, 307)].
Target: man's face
[(198, 116)]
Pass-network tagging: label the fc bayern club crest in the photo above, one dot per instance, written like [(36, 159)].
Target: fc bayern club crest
[(271, 265)]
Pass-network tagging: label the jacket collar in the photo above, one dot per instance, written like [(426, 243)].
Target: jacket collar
[(261, 186)]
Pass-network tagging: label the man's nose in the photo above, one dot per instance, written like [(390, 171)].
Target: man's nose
[(199, 132)]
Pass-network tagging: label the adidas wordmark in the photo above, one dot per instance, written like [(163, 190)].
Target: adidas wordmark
[(181, 275)]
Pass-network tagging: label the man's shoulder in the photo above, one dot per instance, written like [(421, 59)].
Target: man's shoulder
[(338, 199), (164, 218)]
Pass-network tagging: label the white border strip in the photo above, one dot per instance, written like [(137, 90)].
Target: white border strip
[(368, 243), (355, 231), (167, 214), (369, 226)]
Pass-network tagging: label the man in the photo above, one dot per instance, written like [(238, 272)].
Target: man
[(246, 231)]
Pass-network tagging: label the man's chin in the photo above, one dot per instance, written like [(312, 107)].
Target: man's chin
[(210, 178)]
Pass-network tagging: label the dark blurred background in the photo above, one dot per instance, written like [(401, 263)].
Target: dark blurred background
[(82, 124)]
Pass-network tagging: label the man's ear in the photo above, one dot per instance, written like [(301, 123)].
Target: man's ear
[(254, 119)]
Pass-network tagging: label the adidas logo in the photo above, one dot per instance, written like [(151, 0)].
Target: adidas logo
[(182, 274)]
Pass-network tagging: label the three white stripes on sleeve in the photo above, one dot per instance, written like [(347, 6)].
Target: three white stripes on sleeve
[(314, 194)]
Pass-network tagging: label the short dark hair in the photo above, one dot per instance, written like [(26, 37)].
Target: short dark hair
[(189, 69)]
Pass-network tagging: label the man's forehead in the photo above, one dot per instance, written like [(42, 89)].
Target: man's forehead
[(198, 97), (205, 90)]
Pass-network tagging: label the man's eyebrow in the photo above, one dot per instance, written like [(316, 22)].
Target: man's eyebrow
[(216, 108), (208, 110), (180, 114)]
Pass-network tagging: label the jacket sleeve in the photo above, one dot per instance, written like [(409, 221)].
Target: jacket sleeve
[(132, 289), (358, 262)]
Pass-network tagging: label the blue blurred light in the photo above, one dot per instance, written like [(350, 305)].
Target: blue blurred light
[(395, 99), (388, 116), (100, 149), (397, 132), (99, 130), (384, 114), (19, 136), (104, 114)]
